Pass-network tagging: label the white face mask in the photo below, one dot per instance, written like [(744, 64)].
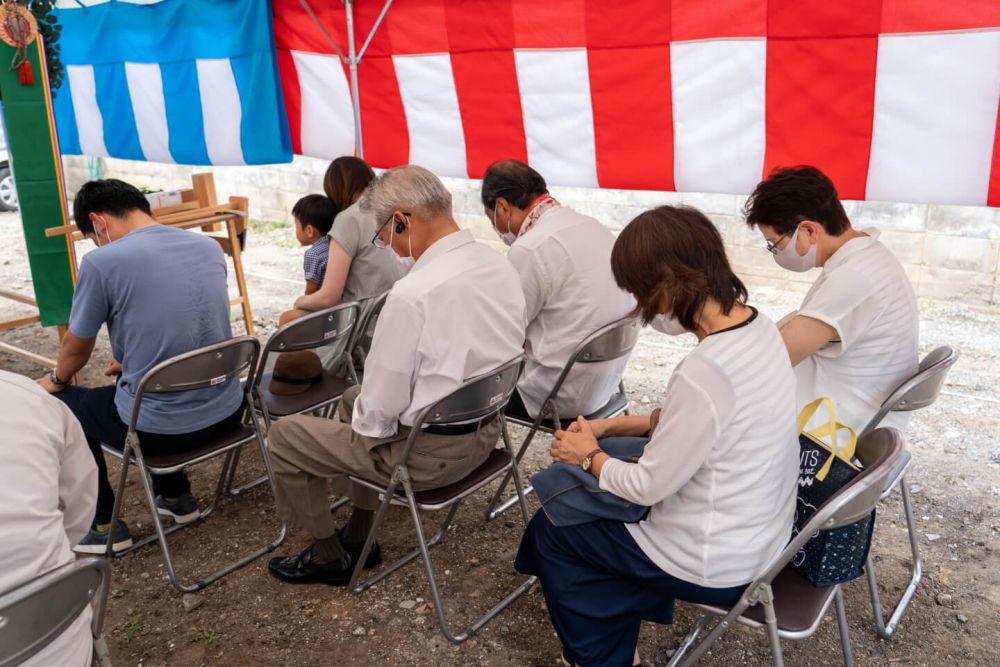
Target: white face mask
[(667, 324), (507, 237), (789, 258), (408, 261), (106, 233)]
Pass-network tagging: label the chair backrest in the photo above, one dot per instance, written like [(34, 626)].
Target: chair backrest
[(204, 367), (331, 328), (323, 327), (855, 500), (611, 341), (477, 397), (370, 311), (919, 390), (36, 612)]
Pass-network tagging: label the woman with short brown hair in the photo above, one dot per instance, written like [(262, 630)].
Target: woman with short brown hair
[(718, 469)]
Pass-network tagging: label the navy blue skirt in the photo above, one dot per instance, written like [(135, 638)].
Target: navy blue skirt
[(599, 586)]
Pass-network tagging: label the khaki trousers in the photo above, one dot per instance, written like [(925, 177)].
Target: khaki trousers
[(308, 452)]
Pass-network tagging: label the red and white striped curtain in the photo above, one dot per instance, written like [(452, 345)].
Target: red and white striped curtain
[(896, 100)]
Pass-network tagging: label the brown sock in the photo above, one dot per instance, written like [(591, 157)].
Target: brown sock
[(327, 550), (358, 525)]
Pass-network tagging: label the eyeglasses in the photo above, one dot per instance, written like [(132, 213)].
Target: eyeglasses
[(377, 239), (773, 247)]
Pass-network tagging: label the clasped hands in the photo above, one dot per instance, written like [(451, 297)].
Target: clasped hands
[(579, 439)]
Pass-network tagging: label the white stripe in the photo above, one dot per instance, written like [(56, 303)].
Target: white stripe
[(935, 117), (558, 117), (221, 111), (718, 108), (327, 114), (89, 121), (427, 88), (145, 88)]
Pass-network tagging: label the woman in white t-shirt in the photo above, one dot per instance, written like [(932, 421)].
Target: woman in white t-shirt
[(718, 472), (854, 338)]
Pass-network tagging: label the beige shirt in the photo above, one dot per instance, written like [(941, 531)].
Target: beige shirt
[(564, 262), (48, 494), (373, 271), (456, 314)]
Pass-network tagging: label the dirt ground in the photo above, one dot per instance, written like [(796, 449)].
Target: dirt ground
[(250, 619)]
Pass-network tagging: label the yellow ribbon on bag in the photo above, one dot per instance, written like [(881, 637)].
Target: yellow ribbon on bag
[(828, 429)]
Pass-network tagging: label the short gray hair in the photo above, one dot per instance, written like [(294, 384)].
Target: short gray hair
[(408, 188)]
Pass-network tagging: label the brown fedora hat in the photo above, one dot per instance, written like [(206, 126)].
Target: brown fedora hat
[(294, 373)]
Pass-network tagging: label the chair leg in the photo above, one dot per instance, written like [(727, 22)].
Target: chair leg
[(689, 640), (496, 507), (845, 630), (101, 656), (515, 470), (432, 580), (887, 630), (353, 584), (407, 558)]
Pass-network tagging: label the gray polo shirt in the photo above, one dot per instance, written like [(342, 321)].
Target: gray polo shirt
[(373, 270), (162, 292)]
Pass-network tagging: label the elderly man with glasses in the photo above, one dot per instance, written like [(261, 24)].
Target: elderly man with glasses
[(452, 317)]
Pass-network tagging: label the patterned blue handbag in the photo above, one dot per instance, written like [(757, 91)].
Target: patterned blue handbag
[(831, 556)]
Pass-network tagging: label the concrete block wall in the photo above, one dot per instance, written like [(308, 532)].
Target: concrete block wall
[(949, 252)]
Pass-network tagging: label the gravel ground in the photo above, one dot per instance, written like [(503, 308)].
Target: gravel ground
[(250, 619)]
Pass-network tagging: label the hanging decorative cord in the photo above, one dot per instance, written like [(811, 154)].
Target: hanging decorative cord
[(18, 28)]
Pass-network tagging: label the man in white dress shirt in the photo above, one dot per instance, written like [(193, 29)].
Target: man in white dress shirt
[(452, 317), (564, 261), (854, 338), (48, 493)]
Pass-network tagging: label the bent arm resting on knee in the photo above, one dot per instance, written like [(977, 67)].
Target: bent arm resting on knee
[(331, 292), (74, 353)]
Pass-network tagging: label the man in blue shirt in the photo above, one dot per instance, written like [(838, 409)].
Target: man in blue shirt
[(162, 292)]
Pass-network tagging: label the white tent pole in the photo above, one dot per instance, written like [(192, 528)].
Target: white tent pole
[(352, 65)]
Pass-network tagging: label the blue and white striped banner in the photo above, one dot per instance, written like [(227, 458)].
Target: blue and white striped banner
[(186, 81)]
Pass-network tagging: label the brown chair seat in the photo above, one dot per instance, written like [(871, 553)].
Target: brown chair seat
[(328, 388), (798, 604), (177, 458), (493, 464)]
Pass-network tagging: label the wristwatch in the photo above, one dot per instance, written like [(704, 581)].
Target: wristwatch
[(55, 379), (589, 458)]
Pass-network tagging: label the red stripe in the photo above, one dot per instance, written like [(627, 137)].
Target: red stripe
[(548, 24), (931, 15), (295, 30), (417, 26), (697, 19), (993, 195), (293, 97), (489, 99), (821, 88), (630, 94), (383, 120)]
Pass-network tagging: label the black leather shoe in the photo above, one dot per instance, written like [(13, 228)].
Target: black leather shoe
[(301, 569), (354, 549)]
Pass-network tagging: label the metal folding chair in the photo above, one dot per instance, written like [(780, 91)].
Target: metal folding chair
[(370, 311), (35, 613), (479, 398), (205, 367), (331, 329), (781, 600), (916, 392), (610, 342)]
